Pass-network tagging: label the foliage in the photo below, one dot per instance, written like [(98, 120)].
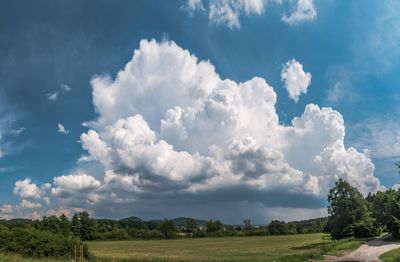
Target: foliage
[(191, 225), (247, 224), (168, 228), (32, 242), (214, 226), (277, 227), (349, 212)]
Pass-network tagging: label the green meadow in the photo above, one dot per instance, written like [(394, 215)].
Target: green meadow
[(265, 248), (391, 256)]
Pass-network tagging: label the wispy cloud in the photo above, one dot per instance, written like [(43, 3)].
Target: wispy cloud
[(17, 131), (53, 96), (303, 11), (380, 134), (62, 129), (228, 12)]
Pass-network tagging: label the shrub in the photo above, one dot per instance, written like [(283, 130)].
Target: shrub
[(38, 243)]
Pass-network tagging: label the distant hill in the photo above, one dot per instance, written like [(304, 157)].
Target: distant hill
[(181, 221), (132, 218), (155, 220)]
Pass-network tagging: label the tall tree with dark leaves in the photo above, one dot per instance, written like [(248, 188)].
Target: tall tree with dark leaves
[(349, 212)]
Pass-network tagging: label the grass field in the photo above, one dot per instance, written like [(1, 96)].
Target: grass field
[(268, 248), (18, 258), (391, 256)]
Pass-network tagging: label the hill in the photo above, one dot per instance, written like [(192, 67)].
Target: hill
[(181, 221), (132, 218)]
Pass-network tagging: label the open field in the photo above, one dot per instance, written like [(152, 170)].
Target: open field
[(18, 258), (391, 256), (268, 248)]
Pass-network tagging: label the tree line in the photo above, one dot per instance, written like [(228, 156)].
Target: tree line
[(56, 236), (350, 215), (353, 215)]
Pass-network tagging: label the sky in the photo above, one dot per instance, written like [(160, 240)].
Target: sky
[(227, 109)]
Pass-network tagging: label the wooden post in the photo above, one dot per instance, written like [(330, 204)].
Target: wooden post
[(75, 254), (81, 253)]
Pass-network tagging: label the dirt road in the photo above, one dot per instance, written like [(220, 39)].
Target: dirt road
[(368, 252)]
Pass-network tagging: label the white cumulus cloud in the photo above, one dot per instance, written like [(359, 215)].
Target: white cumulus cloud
[(171, 133), (28, 204), (295, 80), (228, 12), (192, 5), (304, 10), (26, 189), (169, 117), (6, 209), (78, 182)]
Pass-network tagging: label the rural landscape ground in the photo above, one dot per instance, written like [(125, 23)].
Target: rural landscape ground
[(306, 247)]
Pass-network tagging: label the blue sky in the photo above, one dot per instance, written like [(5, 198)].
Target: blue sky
[(351, 49)]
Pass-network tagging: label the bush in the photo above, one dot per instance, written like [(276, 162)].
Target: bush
[(38, 243), (168, 228), (154, 234), (116, 234), (366, 228)]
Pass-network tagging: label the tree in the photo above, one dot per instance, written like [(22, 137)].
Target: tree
[(76, 225), (214, 226), (65, 225), (349, 212), (168, 228), (51, 223), (191, 225), (277, 227), (83, 226), (247, 224), (87, 226)]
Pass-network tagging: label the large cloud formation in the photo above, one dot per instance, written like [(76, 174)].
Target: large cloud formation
[(170, 130)]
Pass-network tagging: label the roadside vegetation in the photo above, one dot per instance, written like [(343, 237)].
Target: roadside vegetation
[(353, 215)]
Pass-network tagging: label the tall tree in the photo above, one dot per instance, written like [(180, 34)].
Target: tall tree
[(191, 225), (276, 227), (247, 224), (349, 212), (214, 226), (168, 228)]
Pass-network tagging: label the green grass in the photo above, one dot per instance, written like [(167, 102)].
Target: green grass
[(391, 256), (18, 258), (290, 248), (268, 248)]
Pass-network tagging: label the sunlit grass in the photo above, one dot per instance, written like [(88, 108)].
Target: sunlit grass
[(268, 248), (290, 248), (391, 256)]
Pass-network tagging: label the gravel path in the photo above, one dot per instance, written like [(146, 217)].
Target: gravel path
[(367, 252)]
